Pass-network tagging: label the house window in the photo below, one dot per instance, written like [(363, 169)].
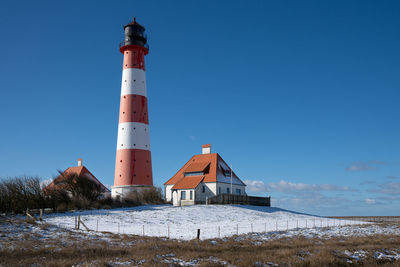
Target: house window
[(183, 195), (193, 173), (204, 189), (228, 191), (219, 190), (191, 194), (238, 191)]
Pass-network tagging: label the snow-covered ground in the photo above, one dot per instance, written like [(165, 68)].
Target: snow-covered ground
[(182, 222)]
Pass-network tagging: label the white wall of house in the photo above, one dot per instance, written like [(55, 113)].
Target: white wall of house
[(210, 190), (168, 192), (189, 199), (225, 188)]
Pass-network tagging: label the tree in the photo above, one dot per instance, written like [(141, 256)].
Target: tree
[(78, 186)]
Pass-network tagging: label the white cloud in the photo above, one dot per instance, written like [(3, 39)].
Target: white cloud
[(392, 188), (256, 186), (364, 166), (370, 201), (289, 187)]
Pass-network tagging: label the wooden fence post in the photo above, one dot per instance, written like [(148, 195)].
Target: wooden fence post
[(84, 225), (198, 234), (41, 215)]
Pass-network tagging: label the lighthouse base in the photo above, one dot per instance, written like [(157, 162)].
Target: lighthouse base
[(122, 191)]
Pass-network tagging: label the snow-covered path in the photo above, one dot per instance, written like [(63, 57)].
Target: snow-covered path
[(182, 222)]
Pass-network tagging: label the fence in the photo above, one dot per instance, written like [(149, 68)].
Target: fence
[(207, 231), (240, 199)]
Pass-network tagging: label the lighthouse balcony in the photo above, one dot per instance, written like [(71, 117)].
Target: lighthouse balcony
[(123, 43)]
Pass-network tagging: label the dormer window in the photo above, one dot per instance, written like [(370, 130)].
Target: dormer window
[(193, 173)]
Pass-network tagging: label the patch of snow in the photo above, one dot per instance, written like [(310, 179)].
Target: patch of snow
[(357, 255), (214, 221), (326, 233), (169, 258), (386, 255)]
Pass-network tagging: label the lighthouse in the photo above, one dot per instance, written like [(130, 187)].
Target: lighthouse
[(133, 169)]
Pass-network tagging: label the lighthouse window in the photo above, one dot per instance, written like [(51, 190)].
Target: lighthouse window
[(134, 80)]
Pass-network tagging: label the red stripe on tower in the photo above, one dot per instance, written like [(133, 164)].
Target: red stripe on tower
[(133, 168)]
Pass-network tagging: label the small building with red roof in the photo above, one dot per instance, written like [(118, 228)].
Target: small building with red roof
[(203, 176), (79, 170)]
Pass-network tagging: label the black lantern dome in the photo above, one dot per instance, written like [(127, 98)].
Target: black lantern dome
[(134, 34)]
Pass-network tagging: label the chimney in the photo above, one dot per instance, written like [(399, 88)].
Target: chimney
[(80, 162), (206, 149)]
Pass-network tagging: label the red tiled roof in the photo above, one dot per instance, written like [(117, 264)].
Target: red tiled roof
[(78, 170), (201, 160), (197, 166), (189, 182)]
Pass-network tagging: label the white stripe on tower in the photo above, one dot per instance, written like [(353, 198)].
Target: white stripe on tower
[(133, 82), (133, 135)]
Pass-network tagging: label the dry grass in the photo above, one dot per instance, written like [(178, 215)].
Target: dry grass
[(72, 248)]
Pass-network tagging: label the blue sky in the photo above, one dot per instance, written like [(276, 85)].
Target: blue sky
[(301, 97)]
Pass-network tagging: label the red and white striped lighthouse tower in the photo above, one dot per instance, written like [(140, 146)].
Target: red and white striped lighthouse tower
[(133, 169)]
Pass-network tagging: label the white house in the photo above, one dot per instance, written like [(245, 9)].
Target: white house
[(203, 176)]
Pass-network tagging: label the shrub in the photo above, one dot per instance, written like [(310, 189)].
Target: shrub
[(20, 193), (152, 195), (78, 186)]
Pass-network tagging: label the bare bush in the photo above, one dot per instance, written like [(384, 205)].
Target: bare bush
[(78, 186), (20, 193), (151, 195)]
